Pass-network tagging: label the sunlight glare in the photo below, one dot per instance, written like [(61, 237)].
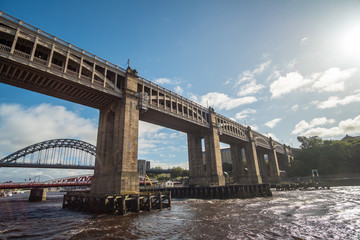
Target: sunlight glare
[(350, 42)]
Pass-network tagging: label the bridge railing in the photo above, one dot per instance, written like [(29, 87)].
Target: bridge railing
[(65, 50), (232, 128), (62, 42), (164, 100)]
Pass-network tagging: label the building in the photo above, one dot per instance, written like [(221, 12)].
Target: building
[(225, 155), (143, 166)]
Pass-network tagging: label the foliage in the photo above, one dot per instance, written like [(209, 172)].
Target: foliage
[(179, 172), (329, 157)]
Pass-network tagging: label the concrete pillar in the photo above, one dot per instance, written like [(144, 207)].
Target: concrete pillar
[(196, 166), (274, 164), (237, 163), (262, 166), (37, 194), (213, 154), (252, 160), (117, 147)]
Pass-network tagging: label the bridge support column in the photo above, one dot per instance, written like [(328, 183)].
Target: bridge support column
[(252, 160), (264, 170), (196, 163), (213, 155), (37, 194), (237, 162), (274, 164), (116, 153)]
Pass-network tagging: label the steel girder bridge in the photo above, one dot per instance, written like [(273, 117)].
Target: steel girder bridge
[(56, 153)]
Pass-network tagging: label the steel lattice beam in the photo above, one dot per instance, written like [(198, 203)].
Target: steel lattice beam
[(11, 160)]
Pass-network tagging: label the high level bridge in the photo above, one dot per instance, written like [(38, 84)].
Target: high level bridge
[(35, 60)]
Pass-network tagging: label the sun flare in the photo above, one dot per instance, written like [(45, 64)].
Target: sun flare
[(350, 42)]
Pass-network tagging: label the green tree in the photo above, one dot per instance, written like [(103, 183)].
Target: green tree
[(329, 157), (310, 142), (176, 172)]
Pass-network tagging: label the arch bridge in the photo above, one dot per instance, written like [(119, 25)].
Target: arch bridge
[(35, 60), (56, 153)]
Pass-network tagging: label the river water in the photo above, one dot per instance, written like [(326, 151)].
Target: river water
[(323, 214)]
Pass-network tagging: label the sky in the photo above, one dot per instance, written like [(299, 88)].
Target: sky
[(285, 68)]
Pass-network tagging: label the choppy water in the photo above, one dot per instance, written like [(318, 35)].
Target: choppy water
[(326, 214)]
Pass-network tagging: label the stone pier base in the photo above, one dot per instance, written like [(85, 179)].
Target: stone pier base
[(37, 194), (118, 204)]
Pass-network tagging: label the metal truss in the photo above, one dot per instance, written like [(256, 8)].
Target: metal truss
[(58, 153)]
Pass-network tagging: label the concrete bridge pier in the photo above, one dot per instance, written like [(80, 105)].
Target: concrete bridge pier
[(117, 147), (37, 194), (252, 160), (237, 163), (284, 160), (263, 167), (213, 155), (206, 172), (274, 164), (196, 163)]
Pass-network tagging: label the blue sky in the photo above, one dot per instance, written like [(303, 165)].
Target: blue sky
[(286, 68)]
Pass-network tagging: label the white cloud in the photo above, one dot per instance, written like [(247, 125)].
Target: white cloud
[(248, 77), (167, 165), (227, 81), (350, 126), (250, 88), (302, 126), (287, 84), (222, 101), (273, 123), (336, 101), (272, 135), (304, 40), (163, 81), (254, 127), (274, 75), (295, 108), (244, 114), (21, 126), (178, 90), (261, 67), (148, 129), (331, 80), (292, 64), (244, 77)]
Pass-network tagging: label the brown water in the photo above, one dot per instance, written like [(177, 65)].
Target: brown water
[(326, 214)]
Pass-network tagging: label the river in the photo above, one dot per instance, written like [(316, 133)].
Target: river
[(323, 214)]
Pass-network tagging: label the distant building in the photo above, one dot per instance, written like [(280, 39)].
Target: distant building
[(143, 166), (147, 165), (225, 155), (347, 137)]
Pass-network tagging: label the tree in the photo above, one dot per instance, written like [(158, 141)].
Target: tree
[(176, 172), (310, 142), (329, 157)]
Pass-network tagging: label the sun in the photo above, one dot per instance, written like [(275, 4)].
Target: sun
[(350, 42)]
